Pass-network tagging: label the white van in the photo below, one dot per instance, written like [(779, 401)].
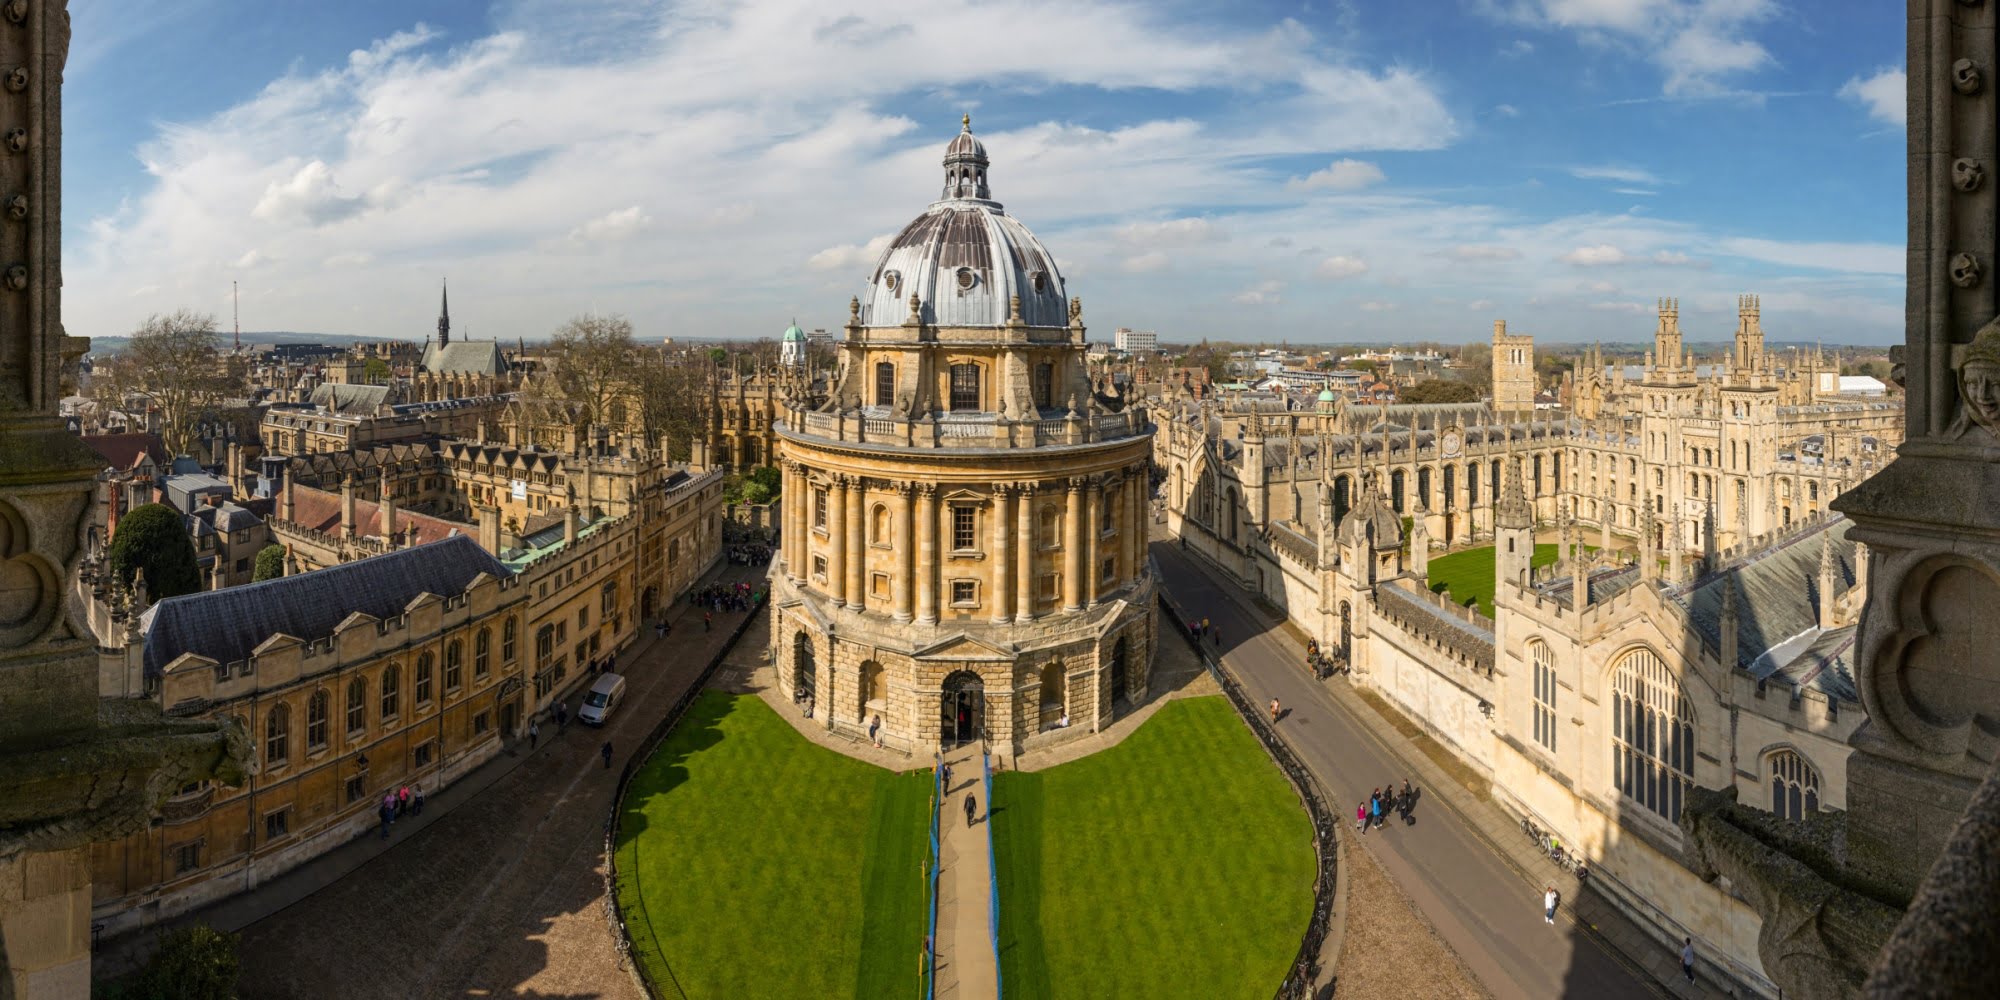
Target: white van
[(603, 697)]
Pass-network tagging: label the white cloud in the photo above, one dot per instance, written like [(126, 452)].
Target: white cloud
[(1614, 172), (1171, 233), (341, 261), (1674, 258), (308, 197), (1595, 256), (1144, 263), (847, 255), (1517, 48), (1340, 175), (1263, 293), (1506, 111), (1338, 268), (1699, 45), (1636, 192), (1480, 305), (1375, 306), (618, 224), (251, 259), (1882, 95), (1861, 258), (1636, 308), (1479, 252)]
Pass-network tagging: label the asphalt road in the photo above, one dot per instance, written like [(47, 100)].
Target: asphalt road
[(1477, 902)]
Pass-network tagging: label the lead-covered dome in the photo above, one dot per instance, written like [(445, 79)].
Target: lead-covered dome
[(965, 258)]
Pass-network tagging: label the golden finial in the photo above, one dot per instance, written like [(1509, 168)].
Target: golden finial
[(965, 121)]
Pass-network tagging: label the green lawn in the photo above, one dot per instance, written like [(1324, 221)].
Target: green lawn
[(1469, 573), (755, 864), (1176, 864)]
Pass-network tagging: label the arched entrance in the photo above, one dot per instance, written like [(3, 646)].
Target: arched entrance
[(648, 601), (1118, 685), (964, 708), (804, 671)]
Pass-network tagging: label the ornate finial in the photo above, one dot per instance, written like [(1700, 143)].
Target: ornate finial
[(965, 122), (854, 309)]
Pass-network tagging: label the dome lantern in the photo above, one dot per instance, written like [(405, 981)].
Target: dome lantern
[(965, 164)]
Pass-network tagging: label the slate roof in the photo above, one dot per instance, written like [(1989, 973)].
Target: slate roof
[(479, 357), (353, 399), (226, 625), (1777, 612)]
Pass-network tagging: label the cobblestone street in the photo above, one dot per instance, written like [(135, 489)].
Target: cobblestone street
[(504, 894)]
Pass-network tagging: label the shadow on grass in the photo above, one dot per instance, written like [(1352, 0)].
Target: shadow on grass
[(1016, 812), (895, 917)]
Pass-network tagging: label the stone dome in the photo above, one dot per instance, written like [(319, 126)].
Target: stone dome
[(965, 258)]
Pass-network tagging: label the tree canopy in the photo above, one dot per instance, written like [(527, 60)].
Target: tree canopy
[(154, 538), (175, 362), (270, 563), (1439, 390)]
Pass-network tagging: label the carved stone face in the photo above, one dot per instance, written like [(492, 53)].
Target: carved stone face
[(1979, 385)]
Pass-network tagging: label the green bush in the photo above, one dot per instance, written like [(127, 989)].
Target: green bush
[(270, 563), (154, 538), (756, 493), (193, 963)]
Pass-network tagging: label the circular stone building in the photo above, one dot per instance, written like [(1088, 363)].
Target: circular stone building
[(965, 518)]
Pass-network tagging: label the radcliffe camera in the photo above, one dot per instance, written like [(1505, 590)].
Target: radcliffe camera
[(1002, 500)]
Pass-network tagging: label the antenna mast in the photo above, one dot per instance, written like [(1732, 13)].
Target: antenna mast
[(236, 316)]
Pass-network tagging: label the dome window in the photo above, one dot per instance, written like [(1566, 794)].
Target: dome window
[(966, 279), (1039, 279), (891, 279)]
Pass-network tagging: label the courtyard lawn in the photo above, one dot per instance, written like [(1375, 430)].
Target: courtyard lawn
[(1178, 863), (755, 864), (1469, 573)]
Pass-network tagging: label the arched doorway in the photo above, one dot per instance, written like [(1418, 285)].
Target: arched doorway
[(647, 601), (805, 673), (1118, 684), (964, 708)]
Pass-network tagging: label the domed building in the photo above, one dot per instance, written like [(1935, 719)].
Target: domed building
[(964, 543), (792, 350)]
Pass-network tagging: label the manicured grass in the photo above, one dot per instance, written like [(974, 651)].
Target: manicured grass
[(754, 864), (1176, 864), (1469, 573)]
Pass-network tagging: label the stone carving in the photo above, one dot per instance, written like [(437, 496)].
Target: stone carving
[(1978, 370), (1966, 174), (17, 207), (1965, 270), (17, 79), (1966, 78), (1933, 682), (17, 140), (17, 10)]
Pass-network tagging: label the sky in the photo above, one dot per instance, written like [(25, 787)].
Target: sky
[(1369, 170)]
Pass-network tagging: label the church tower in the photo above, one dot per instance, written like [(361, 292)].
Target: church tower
[(444, 317), (1513, 370), (1513, 532)]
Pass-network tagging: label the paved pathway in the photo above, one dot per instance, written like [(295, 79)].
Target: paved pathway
[(497, 890), (965, 963), (1480, 886)]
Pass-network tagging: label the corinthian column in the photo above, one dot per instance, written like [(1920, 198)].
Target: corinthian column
[(1003, 553), (1093, 533), (1073, 548), (900, 584), (1024, 572), (836, 541), (857, 543), (926, 582)]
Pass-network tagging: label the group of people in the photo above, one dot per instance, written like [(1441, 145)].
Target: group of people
[(1204, 629), (399, 802), (1321, 665), (749, 555), (1381, 803), (719, 597)]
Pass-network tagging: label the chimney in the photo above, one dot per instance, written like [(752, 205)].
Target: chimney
[(388, 509), (489, 529), (289, 513), (569, 525), (347, 525)]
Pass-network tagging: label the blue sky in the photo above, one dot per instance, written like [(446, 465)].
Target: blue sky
[(1368, 170)]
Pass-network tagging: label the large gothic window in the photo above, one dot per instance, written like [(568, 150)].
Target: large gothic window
[(1450, 487), (1545, 693), (885, 383), (1652, 727), (1396, 490), (1472, 485), (1424, 486), (965, 387), (1794, 785)]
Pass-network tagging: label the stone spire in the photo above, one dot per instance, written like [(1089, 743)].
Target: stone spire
[(444, 316), (1513, 510), (1829, 579)]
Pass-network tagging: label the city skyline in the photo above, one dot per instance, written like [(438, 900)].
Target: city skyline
[(1260, 173)]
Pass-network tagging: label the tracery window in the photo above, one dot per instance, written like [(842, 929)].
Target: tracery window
[(425, 668), (1544, 660), (1794, 785), (1652, 727), (454, 661), (277, 735)]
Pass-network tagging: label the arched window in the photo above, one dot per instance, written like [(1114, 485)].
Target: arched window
[(482, 652), (507, 631), (873, 694), (316, 709), (1228, 513), (1493, 483), (454, 664), (878, 524), (1652, 729), (1341, 504), (1545, 693), (392, 685), (1450, 487), (885, 384), (357, 705), (1812, 489), (805, 671), (1472, 485), (1396, 490), (277, 735), (965, 387), (1794, 785), (1424, 486), (426, 666), (1536, 489), (1053, 694)]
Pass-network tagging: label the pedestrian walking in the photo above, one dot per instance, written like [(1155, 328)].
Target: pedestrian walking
[(562, 717), (1375, 811), (707, 621), (402, 801), (944, 775), (1687, 959), (605, 752), (1216, 634), (1361, 818), (1274, 711), (874, 727), (534, 733), (1549, 906), (388, 815), (416, 800), (971, 807), (611, 663)]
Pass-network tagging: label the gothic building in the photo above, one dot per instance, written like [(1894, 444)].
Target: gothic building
[(964, 542)]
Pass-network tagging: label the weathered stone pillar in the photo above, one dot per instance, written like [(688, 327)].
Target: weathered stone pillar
[(1073, 530), (836, 541), (901, 583), (926, 582), (1003, 553), (1024, 572), (857, 543), (1093, 533)]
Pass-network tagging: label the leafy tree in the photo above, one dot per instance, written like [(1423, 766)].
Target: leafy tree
[(176, 364), (154, 538), (375, 371), (718, 355), (1440, 390), (270, 563), (756, 493), (193, 963), (1373, 368), (768, 477)]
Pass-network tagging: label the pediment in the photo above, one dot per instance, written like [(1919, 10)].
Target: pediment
[(963, 495), (963, 647)]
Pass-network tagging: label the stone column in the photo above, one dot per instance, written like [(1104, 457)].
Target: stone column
[(1002, 562), (926, 582), (905, 565), (1093, 535), (798, 524), (1073, 530), (1024, 571), (857, 543), (836, 541)]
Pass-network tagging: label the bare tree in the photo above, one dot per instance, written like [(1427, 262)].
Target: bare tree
[(589, 367), (672, 390), (176, 363)]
